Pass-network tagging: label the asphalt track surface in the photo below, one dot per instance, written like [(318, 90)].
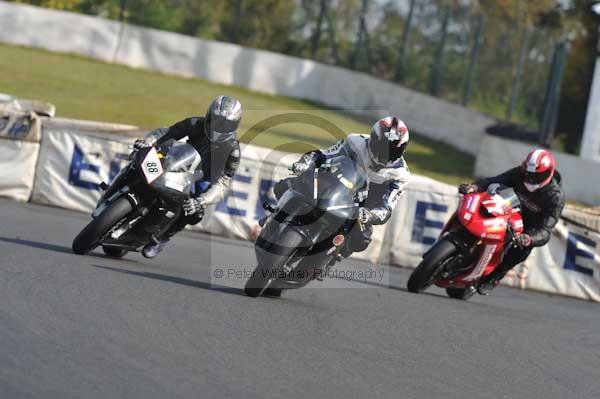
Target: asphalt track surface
[(94, 327)]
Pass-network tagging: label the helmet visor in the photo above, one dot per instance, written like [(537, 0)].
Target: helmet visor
[(385, 152), (396, 152), (537, 177), (219, 128)]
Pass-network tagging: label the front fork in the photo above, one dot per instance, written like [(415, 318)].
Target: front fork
[(104, 201), (468, 252), (334, 258)]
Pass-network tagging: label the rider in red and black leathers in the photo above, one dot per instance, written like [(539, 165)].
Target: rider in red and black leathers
[(539, 188)]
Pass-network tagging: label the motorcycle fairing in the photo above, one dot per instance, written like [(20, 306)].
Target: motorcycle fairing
[(487, 217)]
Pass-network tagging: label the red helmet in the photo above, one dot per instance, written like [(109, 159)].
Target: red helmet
[(389, 138), (537, 169)]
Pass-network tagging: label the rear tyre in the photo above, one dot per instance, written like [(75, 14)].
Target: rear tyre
[(271, 258), (90, 236), (422, 277), (114, 252)]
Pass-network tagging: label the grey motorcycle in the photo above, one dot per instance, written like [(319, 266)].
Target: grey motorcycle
[(304, 235)]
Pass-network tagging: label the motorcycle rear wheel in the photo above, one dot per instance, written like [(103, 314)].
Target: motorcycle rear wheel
[(90, 236), (273, 258), (422, 277)]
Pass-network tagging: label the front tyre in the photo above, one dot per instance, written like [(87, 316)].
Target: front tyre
[(90, 236), (271, 258), (423, 276)]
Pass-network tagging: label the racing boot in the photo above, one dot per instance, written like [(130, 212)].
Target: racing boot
[(469, 292), (462, 293), (486, 286), (154, 247)]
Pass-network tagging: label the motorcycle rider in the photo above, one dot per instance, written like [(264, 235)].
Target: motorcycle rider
[(214, 136), (538, 185), (380, 155)]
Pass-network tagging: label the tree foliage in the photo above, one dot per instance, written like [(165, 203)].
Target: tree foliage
[(264, 24)]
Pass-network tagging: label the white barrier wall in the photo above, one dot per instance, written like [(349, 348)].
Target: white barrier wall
[(224, 63), (17, 168), (72, 165), (58, 31), (20, 134), (76, 156), (75, 162), (568, 265), (581, 179)]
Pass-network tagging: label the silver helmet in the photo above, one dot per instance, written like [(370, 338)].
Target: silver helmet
[(222, 119)]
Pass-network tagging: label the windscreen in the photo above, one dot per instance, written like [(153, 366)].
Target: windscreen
[(508, 196), (511, 200), (181, 158), (337, 182)]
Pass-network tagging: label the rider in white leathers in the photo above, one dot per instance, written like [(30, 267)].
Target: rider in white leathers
[(380, 154)]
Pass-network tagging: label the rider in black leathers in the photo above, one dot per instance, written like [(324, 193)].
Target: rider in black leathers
[(539, 188), (215, 138)]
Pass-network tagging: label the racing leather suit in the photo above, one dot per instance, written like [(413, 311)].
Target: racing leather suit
[(541, 211), (220, 162), (385, 185)]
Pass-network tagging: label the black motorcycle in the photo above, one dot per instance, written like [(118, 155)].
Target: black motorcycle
[(143, 200), (306, 231)]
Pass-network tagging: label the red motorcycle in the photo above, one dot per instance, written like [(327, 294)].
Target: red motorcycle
[(472, 244)]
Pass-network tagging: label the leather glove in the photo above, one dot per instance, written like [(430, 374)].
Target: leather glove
[(523, 241), (365, 216), (306, 162), (193, 206), (141, 144), (467, 188), (299, 167)]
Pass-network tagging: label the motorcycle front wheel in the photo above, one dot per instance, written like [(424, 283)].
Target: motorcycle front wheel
[(90, 236), (423, 276), (273, 256)]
